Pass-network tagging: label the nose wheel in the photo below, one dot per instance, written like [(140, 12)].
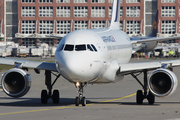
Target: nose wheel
[(80, 99)]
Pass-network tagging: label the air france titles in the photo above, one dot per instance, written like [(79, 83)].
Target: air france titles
[(108, 39)]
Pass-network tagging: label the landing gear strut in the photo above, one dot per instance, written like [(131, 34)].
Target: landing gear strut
[(45, 95), (140, 96), (80, 98)]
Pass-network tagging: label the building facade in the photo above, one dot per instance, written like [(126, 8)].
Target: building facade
[(29, 21)]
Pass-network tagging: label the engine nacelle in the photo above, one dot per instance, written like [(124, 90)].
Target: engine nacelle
[(16, 82), (162, 82), (149, 46)]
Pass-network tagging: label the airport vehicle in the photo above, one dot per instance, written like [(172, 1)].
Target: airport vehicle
[(94, 56)]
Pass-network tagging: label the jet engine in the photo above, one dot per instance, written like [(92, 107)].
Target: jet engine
[(162, 82), (149, 46), (16, 82)]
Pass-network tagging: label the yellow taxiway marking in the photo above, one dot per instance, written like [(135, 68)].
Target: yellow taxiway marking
[(58, 108)]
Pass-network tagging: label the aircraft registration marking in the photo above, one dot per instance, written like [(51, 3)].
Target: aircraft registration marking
[(58, 108)]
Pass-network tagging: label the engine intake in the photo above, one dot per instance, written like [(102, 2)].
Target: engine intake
[(16, 82), (162, 82)]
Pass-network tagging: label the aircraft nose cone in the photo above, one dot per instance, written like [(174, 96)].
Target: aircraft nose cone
[(78, 68)]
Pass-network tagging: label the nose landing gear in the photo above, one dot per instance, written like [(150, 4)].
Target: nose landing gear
[(80, 98)]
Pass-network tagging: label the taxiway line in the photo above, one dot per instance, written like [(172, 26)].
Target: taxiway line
[(58, 108)]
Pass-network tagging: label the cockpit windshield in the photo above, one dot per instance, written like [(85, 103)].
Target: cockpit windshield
[(80, 47), (69, 47)]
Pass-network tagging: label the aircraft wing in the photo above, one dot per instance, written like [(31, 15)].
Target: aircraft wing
[(129, 68), (154, 39), (29, 64)]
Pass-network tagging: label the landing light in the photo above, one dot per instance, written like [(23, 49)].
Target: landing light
[(77, 84)]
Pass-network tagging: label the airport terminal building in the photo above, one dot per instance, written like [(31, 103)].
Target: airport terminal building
[(28, 21)]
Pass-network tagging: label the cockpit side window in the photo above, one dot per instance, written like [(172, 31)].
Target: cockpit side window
[(89, 48), (80, 47), (94, 47), (69, 47), (61, 47)]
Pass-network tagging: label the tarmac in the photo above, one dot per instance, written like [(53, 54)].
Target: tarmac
[(104, 102)]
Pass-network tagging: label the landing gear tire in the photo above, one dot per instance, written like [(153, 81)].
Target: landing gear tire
[(44, 96), (77, 100), (83, 101), (55, 97), (151, 98), (139, 97)]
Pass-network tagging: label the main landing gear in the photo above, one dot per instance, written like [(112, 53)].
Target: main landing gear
[(140, 96), (80, 99), (45, 95)]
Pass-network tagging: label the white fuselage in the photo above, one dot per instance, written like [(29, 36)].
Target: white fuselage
[(78, 61)]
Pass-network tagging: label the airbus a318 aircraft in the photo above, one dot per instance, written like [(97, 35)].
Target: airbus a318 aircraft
[(94, 56)]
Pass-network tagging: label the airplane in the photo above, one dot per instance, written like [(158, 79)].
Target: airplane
[(94, 56), (149, 46)]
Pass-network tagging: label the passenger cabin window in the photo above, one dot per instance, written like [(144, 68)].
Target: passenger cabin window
[(89, 48), (94, 47), (80, 47), (69, 47)]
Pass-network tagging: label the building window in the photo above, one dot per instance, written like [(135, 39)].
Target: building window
[(121, 11), (45, 1), (130, 11), (168, 1), (80, 1), (168, 27), (111, 1), (97, 11), (29, 41), (98, 1), (28, 12), (97, 24), (0, 26), (129, 27), (179, 11), (28, 27), (121, 25), (63, 1), (168, 11), (28, 1), (45, 11), (63, 27), (80, 11), (133, 1), (78, 25), (63, 11), (45, 27)]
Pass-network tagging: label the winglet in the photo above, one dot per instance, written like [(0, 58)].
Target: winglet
[(115, 15), (155, 27)]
